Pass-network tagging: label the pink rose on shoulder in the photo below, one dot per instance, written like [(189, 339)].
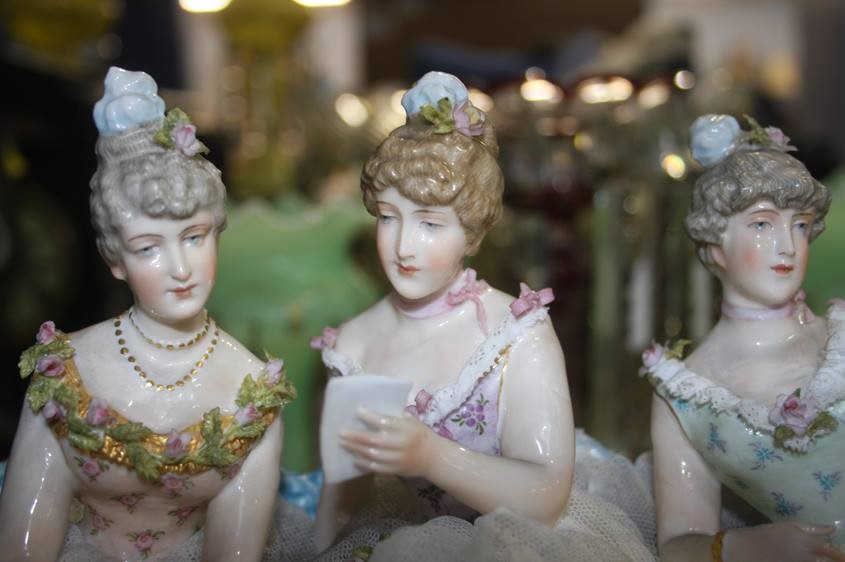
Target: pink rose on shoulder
[(185, 139), (274, 370), (50, 365), (468, 120), (177, 444), (91, 469), (46, 333), (794, 412), (53, 411), (98, 412), (247, 414), (173, 482), (652, 355)]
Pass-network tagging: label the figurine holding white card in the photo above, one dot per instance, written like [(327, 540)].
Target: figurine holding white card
[(488, 422)]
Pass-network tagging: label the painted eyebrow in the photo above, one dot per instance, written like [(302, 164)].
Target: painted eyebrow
[(435, 212), (199, 225), (139, 236)]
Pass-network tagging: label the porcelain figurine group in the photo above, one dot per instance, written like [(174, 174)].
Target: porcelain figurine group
[(156, 435)]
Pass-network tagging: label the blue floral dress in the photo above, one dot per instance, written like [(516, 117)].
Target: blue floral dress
[(786, 472)]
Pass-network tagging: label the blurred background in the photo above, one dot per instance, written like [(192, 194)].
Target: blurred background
[(592, 101)]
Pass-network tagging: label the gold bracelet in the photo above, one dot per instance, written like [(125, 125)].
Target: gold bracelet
[(716, 546)]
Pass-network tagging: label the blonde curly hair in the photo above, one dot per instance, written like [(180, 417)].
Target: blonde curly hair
[(442, 169)]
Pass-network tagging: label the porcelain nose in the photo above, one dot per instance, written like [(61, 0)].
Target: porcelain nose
[(786, 243), (405, 243), (180, 268)]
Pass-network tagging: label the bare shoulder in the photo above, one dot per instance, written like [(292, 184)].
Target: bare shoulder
[(357, 332), (237, 359), (95, 338)]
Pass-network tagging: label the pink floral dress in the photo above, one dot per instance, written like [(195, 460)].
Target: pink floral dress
[(142, 494), (466, 411)]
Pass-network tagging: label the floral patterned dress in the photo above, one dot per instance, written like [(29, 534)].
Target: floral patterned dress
[(610, 516), (466, 411), (142, 493), (787, 461)]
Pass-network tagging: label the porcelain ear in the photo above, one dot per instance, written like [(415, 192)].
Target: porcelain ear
[(717, 256), (116, 268)]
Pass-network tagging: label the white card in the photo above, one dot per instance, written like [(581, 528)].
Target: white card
[(344, 395)]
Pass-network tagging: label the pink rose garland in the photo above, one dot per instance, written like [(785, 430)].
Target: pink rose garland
[(46, 333), (50, 365)]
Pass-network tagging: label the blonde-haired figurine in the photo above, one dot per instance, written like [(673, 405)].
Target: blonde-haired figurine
[(759, 406), (154, 434), (488, 425)]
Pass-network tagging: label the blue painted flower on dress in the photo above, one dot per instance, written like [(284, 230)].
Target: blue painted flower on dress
[(763, 456), (715, 441), (682, 405), (784, 507), (828, 482)]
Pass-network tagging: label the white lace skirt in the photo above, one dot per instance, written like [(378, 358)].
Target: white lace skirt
[(610, 517)]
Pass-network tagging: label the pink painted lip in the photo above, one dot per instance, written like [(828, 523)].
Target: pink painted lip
[(782, 268), (183, 292), (406, 270)]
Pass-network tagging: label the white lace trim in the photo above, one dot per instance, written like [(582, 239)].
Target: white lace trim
[(486, 356), (340, 364), (827, 386), (509, 332)]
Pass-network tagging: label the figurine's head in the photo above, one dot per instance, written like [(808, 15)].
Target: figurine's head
[(147, 165), (444, 155), (744, 168)]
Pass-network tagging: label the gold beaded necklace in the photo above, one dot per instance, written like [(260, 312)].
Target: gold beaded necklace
[(165, 345), (148, 381)]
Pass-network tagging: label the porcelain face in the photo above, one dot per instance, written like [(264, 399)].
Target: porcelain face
[(169, 265), (422, 248), (764, 255)]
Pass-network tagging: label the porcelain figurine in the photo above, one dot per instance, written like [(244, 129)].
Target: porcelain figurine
[(488, 423), (144, 429), (759, 406)]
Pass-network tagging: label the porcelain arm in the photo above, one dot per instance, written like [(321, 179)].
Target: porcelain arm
[(239, 517), (37, 493), (688, 503)]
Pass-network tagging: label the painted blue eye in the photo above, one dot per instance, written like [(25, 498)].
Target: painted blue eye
[(431, 225), (760, 225), (194, 239), (386, 218), (146, 251)]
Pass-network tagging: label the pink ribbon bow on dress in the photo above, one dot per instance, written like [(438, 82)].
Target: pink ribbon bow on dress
[(530, 300), (327, 340), (421, 403), (471, 290)]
